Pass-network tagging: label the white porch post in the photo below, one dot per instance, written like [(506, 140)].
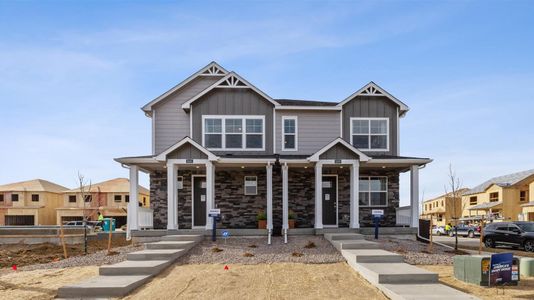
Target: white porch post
[(355, 195), (285, 214), (269, 202), (172, 197), (318, 195), (414, 195), (133, 206), (209, 193)]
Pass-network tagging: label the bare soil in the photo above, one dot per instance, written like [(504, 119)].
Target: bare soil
[(23, 255), (260, 281), (525, 289)]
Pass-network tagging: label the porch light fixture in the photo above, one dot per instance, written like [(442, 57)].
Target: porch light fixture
[(305, 167), (242, 167), (341, 167), (164, 166), (383, 167), (197, 167)]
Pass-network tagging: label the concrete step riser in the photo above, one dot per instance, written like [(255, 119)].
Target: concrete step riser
[(380, 259), (407, 278), (180, 238), (156, 246), (339, 237), (132, 271), (153, 256), (355, 246), (98, 292)]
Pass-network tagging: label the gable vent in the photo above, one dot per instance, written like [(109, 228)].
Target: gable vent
[(213, 71), (371, 91), (232, 82)]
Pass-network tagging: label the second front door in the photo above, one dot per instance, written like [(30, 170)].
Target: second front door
[(329, 200), (199, 201)]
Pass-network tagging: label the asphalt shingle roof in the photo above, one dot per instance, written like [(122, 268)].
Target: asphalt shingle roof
[(503, 181), (291, 102)]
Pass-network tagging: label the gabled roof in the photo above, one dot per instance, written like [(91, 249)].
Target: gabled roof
[(372, 89), (460, 193), (361, 155), (231, 80), (212, 69), (502, 181), (117, 185), (163, 155), (35, 185)]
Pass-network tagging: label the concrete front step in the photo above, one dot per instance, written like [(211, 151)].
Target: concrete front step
[(423, 292), (170, 245), (133, 267), (103, 286), (372, 256), (355, 244), (380, 273), (184, 237), (156, 254), (343, 236)]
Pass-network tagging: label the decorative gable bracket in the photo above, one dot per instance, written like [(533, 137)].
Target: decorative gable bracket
[(232, 82), (213, 70), (371, 90)]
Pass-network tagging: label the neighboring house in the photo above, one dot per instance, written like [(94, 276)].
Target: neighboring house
[(31, 202), (444, 209), (220, 142), (109, 198), (502, 198)]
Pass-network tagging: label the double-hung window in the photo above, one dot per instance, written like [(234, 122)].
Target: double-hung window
[(237, 133), (373, 191), (289, 134), (251, 185), (370, 133), (494, 197)]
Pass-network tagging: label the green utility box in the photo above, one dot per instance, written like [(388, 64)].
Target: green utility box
[(526, 266), (475, 269)]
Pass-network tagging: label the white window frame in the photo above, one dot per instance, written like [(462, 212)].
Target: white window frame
[(245, 185), (284, 133), (370, 191), (244, 133), (370, 134)]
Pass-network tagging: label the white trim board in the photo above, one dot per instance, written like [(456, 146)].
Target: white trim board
[(163, 155), (372, 89), (316, 155)]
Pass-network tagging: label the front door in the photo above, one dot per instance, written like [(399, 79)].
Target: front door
[(330, 200), (199, 201)]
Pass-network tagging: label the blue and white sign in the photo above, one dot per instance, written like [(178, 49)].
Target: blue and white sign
[(225, 234), (501, 268), (214, 212)]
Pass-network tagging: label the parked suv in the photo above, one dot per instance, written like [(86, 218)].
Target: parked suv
[(518, 234), (465, 231)]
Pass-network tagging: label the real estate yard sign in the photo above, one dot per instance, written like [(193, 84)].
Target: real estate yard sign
[(500, 268)]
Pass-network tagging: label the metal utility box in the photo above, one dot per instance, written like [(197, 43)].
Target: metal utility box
[(106, 226), (475, 269)]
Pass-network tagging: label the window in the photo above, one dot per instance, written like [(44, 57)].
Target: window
[(144, 201), (523, 196), (494, 197), (289, 134), (251, 185), (35, 197), (88, 198), (473, 200), (370, 133), (180, 182), (440, 218), (118, 198), (14, 197), (442, 203), (373, 191), (234, 132), (1, 197), (72, 198), (127, 198)]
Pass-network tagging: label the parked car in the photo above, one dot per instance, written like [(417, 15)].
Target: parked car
[(438, 230), (92, 224), (465, 230), (516, 234)]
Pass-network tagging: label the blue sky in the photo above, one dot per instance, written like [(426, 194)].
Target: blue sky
[(73, 75)]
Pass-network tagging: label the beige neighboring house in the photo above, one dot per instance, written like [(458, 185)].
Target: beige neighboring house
[(443, 209), (109, 197), (31, 202), (503, 198)]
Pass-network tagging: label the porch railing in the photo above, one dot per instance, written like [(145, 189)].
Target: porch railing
[(145, 217)]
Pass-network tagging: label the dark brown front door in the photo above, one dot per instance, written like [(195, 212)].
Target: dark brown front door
[(199, 201), (329, 200)]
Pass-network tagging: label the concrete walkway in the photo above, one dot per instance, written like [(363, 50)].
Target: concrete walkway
[(388, 272), (120, 279)]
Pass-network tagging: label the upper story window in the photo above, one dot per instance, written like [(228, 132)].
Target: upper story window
[(35, 197), (14, 197), (236, 133), (127, 198), (88, 198), (118, 198), (1, 197), (289, 134), (494, 197), (473, 200), (72, 198), (370, 134), (373, 191)]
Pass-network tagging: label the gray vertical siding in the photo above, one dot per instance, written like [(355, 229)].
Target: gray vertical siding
[(171, 122), (339, 152), (233, 101), (187, 151), (315, 129), (373, 107)]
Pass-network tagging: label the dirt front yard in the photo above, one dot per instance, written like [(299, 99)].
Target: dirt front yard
[(260, 281)]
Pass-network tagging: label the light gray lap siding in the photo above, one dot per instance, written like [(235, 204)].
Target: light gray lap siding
[(234, 101), (315, 129), (372, 107), (171, 122)]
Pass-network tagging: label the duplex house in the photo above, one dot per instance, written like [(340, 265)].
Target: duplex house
[(444, 209), (110, 198), (501, 198), (31, 202), (219, 142)]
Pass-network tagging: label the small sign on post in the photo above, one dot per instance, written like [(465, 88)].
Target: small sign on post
[(214, 213), (377, 216), (225, 235)]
